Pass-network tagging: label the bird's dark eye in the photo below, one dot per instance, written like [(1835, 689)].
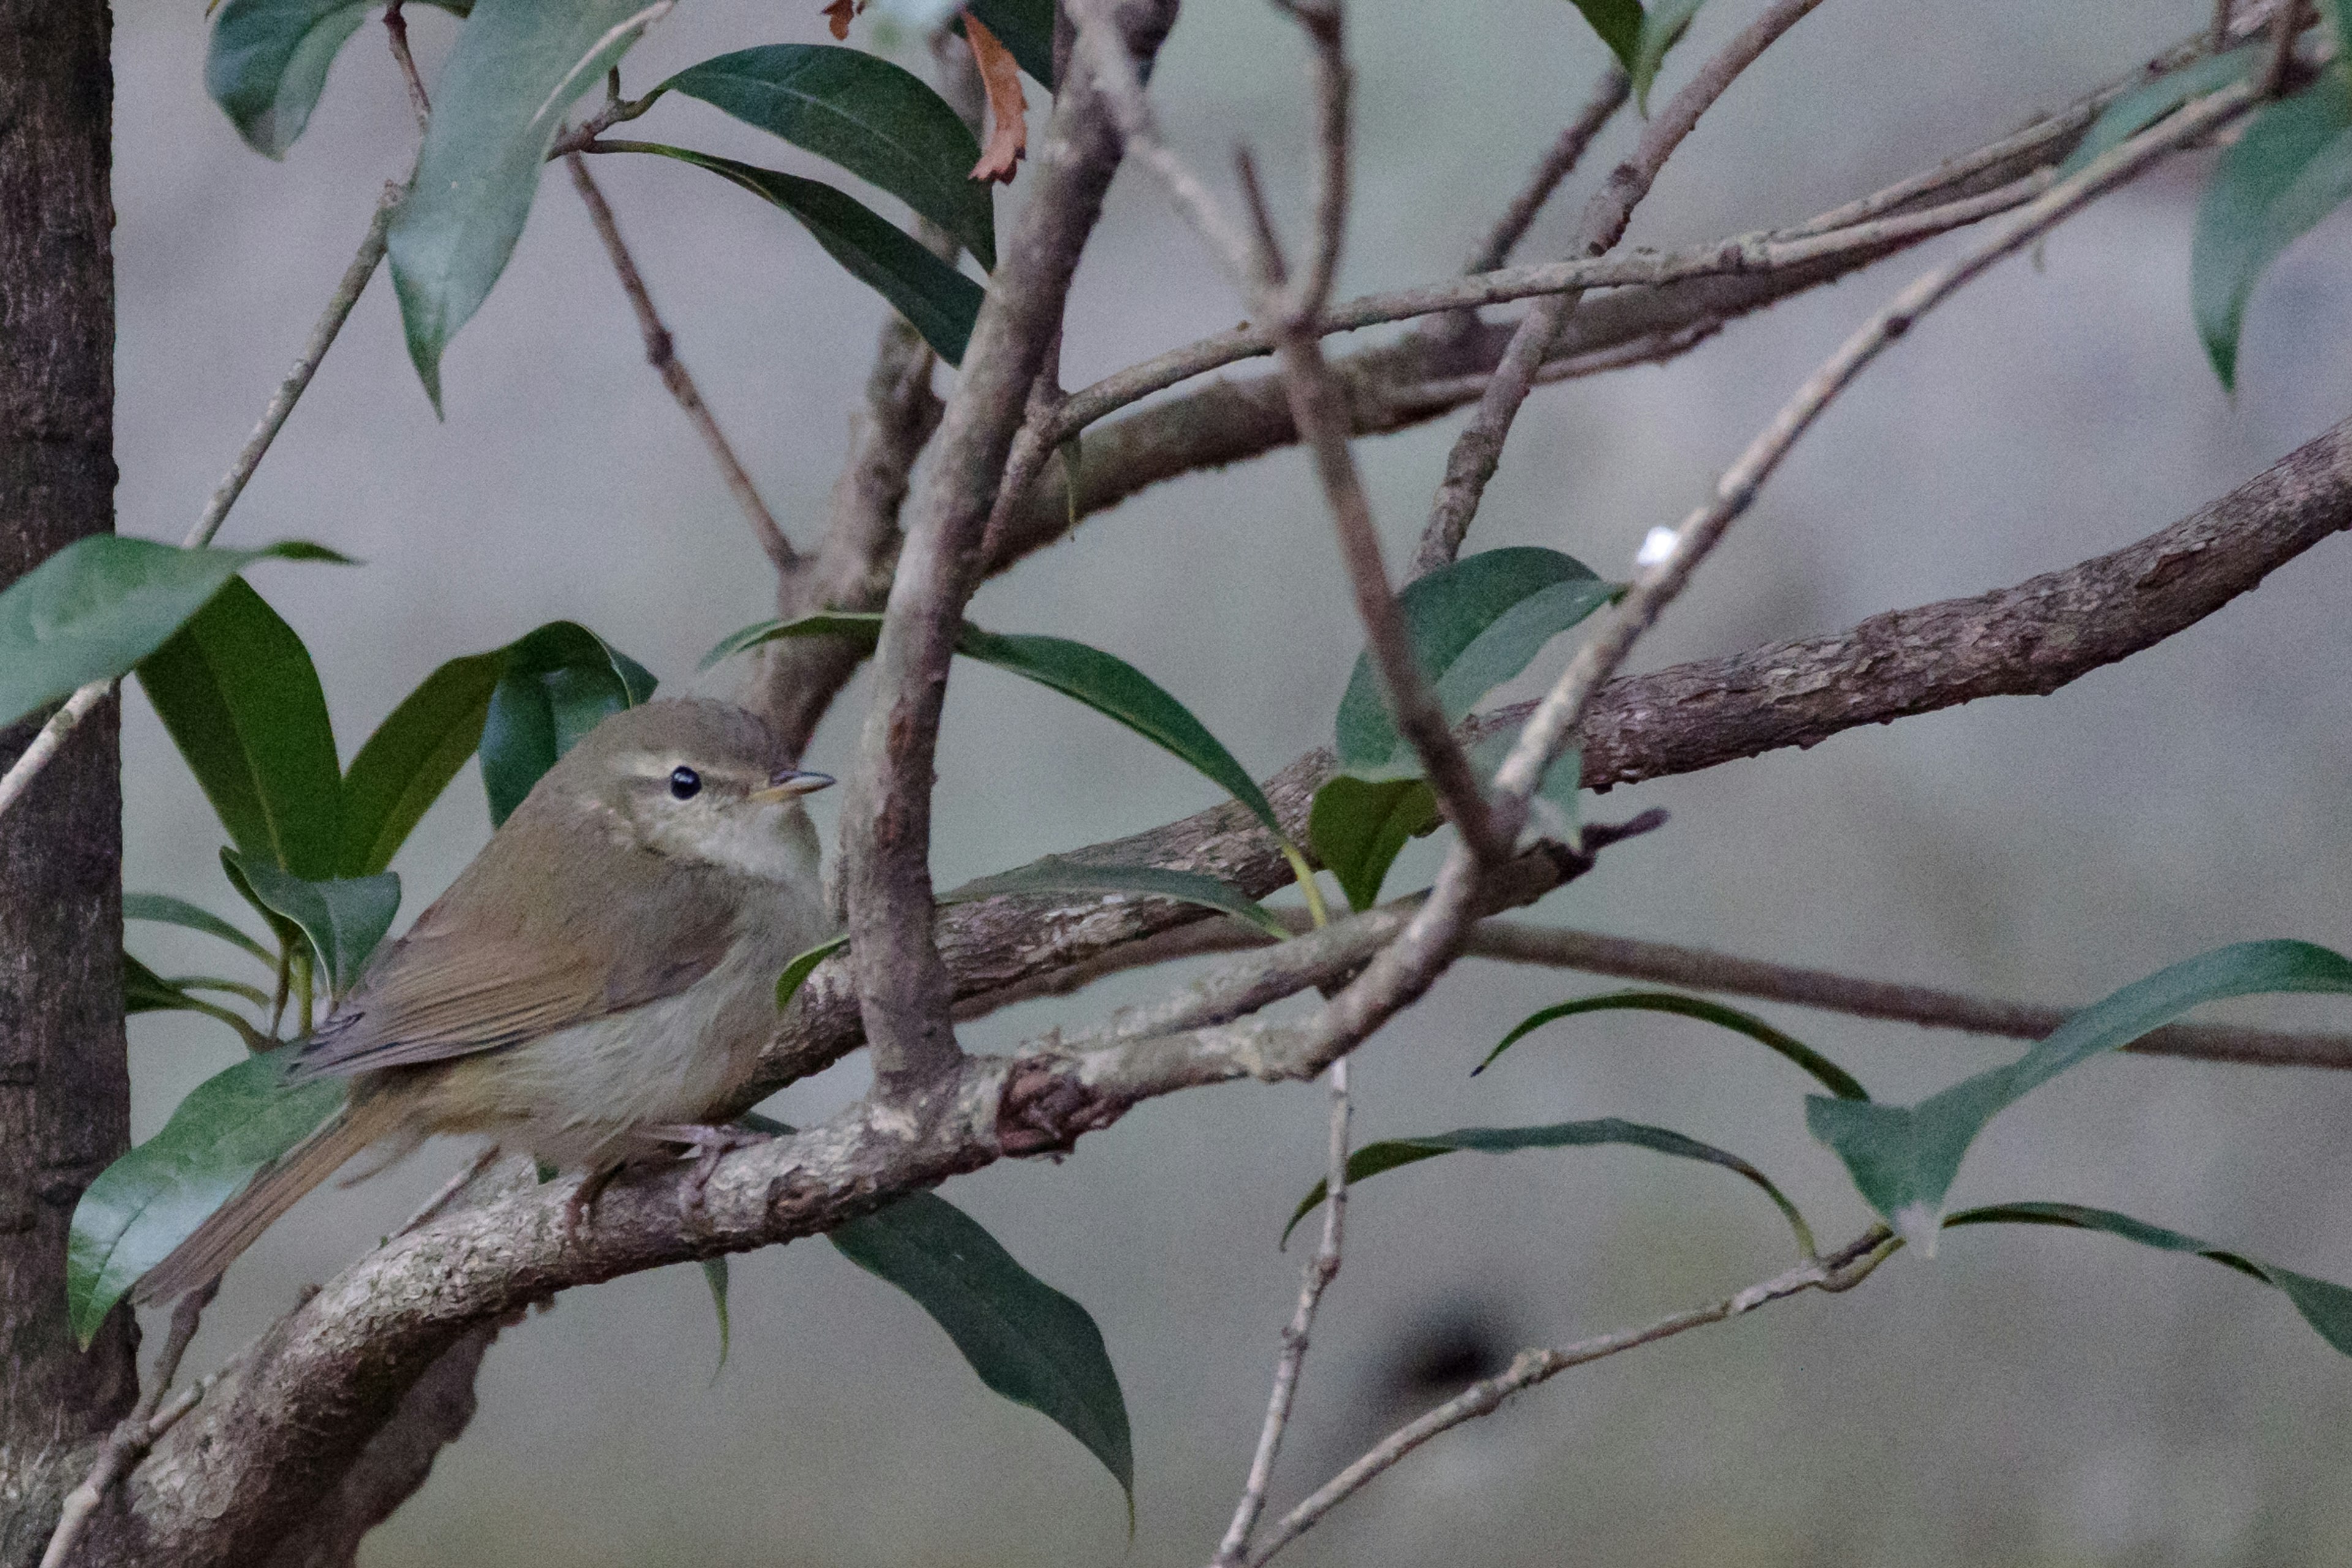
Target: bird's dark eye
[(685, 783)]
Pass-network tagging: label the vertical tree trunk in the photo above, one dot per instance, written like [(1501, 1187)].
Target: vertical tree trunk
[(64, 1088)]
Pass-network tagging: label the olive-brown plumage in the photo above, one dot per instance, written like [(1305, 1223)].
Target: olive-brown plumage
[(604, 968)]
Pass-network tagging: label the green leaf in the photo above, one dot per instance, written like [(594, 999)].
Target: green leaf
[(238, 692), (1054, 874), (151, 1199), (2325, 1306), (2143, 105), (270, 59), (144, 991), (1027, 1341), (411, 758), (1474, 625), (342, 919), (1373, 1158), (937, 300), (1024, 26), (2291, 168), (1103, 681), (714, 1275), (560, 682), (1619, 23), (802, 966), (1904, 1158), (165, 910), (877, 119), (1357, 826), (1831, 1076), (517, 67), (94, 609), (1662, 29)]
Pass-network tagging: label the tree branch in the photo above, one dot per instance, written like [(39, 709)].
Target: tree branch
[(1608, 96)]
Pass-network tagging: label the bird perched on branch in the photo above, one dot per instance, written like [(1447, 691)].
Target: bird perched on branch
[(592, 988)]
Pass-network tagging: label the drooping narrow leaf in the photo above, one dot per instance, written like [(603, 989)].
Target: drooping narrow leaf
[(343, 918), (714, 1276), (238, 692), (1388, 1156), (1103, 681), (1054, 874), (802, 966), (1025, 27), (411, 758), (560, 682), (501, 98), (2291, 168), (937, 300), (1027, 1341), (877, 119), (1619, 25), (152, 1198), (144, 991), (1474, 625), (1662, 29), (1357, 826), (1904, 1158), (2146, 104), (1831, 1077), (168, 910), (268, 62), (97, 607), (2324, 1305)]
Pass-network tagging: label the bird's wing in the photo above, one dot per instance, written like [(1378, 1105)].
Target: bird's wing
[(477, 974)]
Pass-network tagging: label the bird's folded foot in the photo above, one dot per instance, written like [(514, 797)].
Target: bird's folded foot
[(707, 1145), (580, 1208)]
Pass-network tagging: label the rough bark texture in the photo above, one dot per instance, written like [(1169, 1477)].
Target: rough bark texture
[(65, 1092)]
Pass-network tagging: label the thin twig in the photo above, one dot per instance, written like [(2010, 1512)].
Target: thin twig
[(661, 353), (395, 24), (1314, 1280), (2278, 64), (85, 700), (1843, 1270), (1608, 96), (1479, 450), (137, 1432)]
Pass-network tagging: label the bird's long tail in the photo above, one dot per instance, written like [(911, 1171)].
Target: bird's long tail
[(235, 1225)]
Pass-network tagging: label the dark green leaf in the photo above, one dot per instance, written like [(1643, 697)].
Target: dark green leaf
[(875, 119), (1831, 1076), (152, 1198), (2143, 105), (802, 966), (1373, 1158), (1054, 874), (860, 628), (269, 60), (343, 918), (144, 991), (1026, 29), (1358, 825), (1904, 1158), (937, 300), (517, 67), (1619, 23), (168, 910), (97, 607), (412, 757), (238, 692), (1474, 624), (1027, 1341), (2325, 1306), (714, 1275), (1662, 29), (560, 682), (2291, 168), (1116, 688)]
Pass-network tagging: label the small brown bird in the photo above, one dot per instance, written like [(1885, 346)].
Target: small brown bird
[(595, 985)]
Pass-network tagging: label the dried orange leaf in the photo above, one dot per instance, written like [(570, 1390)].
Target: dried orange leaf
[(838, 15), (1008, 109)]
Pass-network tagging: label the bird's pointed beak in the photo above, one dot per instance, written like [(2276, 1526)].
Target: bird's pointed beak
[(788, 784)]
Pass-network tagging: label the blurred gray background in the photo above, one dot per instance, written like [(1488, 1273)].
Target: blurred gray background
[(2027, 1397)]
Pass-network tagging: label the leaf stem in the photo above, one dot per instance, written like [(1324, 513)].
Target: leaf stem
[(1317, 910)]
